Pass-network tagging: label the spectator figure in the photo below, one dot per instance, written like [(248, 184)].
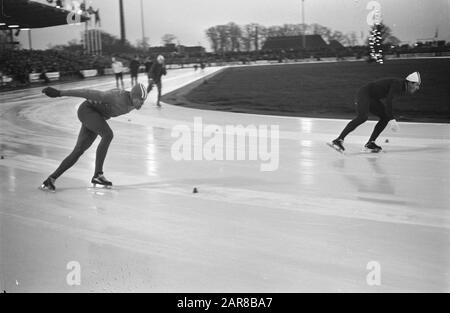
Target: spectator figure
[(117, 67), (202, 65), (148, 65), (157, 70), (134, 69), (96, 13), (96, 65), (98, 21), (44, 76)]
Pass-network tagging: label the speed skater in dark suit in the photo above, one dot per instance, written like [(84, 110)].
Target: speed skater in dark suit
[(134, 70), (157, 70), (148, 65), (93, 113), (369, 100)]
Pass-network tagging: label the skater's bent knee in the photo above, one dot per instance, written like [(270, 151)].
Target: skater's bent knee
[(361, 119), (76, 153), (109, 135)]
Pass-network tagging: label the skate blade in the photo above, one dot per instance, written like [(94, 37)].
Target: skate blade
[(45, 189), (335, 148), (99, 186), (365, 150)]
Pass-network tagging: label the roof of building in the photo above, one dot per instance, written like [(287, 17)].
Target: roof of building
[(336, 45), (31, 14), (163, 49), (171, 48), (312, 42), (192, 48)]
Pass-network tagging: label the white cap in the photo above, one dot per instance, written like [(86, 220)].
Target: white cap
[(160, 58), (414, 77)]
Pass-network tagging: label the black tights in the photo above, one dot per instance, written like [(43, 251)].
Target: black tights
[(364, 105), (158, 86), (92, 125)]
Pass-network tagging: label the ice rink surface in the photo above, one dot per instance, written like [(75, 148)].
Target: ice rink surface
[(317, 223)]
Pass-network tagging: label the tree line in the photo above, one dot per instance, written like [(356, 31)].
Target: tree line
[(251, 37)]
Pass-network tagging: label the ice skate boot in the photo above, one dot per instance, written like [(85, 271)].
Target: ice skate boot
[(48, 185), (99, 179), (337, 145), (372, 147)]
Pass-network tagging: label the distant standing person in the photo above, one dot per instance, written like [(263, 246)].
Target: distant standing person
[(44, 76), (117, 67), (134, 69), (148, 65), (157, 70), (368, 100)]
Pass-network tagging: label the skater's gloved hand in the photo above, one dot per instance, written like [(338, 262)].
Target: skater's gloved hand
[(393, 125), (51, 92)]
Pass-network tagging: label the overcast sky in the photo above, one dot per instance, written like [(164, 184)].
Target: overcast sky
[(188, 19)]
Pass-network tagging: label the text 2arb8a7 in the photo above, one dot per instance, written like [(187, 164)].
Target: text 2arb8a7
[(246, 302)]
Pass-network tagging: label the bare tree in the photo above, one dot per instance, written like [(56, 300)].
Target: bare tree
[(293, 29), (143, 44), (287, 30), (213, 37), (235, 34), (219, 37), (325, 32), (392, 40), (255, 35), (224, 38), (247, 37), (388, 37), (340, 37), (352, 39), (260, 36), (274, 31), (168, 39)]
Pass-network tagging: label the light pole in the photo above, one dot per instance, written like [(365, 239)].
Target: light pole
[(30, 43), (142, 22), (122, 23), (303, 24)]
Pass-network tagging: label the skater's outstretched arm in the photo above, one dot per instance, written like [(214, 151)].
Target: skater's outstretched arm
[(89, 94)]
